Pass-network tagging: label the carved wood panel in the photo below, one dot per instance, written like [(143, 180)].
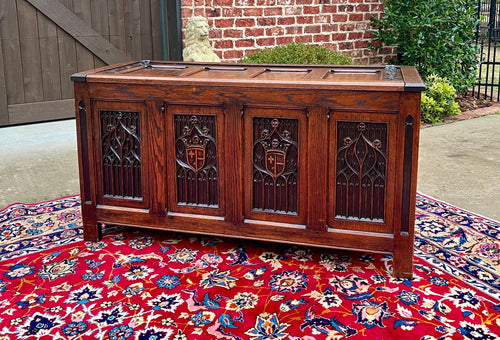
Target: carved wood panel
[(275, 174), (195, 177), (196, 159), (361, 158), (275, 165), (121, 153)]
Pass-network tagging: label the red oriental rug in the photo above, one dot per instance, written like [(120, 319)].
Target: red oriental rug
[(145, 284)]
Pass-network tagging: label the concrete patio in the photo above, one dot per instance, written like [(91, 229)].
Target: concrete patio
[(459, 163)]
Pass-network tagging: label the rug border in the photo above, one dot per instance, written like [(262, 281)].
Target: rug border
[(37, 203), (456, 207)]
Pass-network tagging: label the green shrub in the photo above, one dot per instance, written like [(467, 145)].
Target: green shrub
[(438, 100), (438, 37), (298, 53)]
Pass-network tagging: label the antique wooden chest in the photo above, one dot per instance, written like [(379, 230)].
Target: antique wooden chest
[(311, 155)]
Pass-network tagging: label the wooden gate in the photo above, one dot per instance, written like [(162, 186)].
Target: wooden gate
[(43, 42)]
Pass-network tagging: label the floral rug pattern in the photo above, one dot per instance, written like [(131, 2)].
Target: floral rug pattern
[(146, 284)]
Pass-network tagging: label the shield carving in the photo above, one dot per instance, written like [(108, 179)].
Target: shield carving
[(275, 162), (195, 157)]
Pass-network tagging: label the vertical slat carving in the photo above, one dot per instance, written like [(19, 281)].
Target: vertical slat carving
[(121, 154), (407, 179), (275, 165), (82, 113), (361, 171), (196, 156)]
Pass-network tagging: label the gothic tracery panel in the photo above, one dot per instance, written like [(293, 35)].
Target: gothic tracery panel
[(275, 165), (121, 154), (196, 157), (361, 171)]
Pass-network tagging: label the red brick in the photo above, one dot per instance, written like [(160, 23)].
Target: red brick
[(329, 28), (311, 10), (212, 13), (304, 39), (223, 44), (321, 37), (266, 21), (224, 23), (345, 45), (304, 2), (346, 8), (356, 17), (223, 3), (346, 27), (355, 35), (294, 30), (339, 17), (215, 34), (284, 40), (275, 31), (233, 54), (233, 33), (253, 12), (305, 20), (293, 10), (273, 11), (199, 11), (312, 29), (286, 21), (266, 41), (232, 12), (187, 3), (254, 32), (245, 43), (362, 8), (247, 22), (322, 19), (360, 44), (339, 36), (244, 3), (329, 9)]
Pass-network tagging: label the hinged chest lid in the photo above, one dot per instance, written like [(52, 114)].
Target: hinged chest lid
[(388, 78)]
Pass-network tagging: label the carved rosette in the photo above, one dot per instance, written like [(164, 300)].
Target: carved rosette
[(275, 165), (361, 170), (121, 154), (196, 155)]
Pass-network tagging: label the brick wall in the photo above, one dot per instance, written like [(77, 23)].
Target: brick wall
[(239, 27)]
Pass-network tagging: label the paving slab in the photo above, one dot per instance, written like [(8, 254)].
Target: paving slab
[(459, 163)]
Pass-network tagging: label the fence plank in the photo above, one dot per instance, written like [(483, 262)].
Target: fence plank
[(156, 30), (79, 30), (30, 52), (49, 58), (133, 29), (41, 111), (146, 31), (100, 22), (67, 55), (85, 58), (11, 49), (117, 24), (4, 110)]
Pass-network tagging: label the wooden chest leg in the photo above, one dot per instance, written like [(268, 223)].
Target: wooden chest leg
[(92, 231), (403, 261)]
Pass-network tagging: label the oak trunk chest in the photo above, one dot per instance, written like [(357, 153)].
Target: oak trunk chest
[(311, 155)]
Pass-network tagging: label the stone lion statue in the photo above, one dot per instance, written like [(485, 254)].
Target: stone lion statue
[(197, 46)]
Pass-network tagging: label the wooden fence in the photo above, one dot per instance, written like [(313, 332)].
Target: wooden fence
[(43, 42)]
